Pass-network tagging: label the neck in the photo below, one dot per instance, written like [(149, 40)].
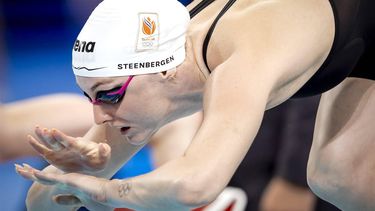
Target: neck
[(188, 87)]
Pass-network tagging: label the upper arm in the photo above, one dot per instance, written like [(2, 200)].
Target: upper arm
[(233, 108), (276, 57), (286, 41)]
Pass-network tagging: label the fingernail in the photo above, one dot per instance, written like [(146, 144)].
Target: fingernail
[(56, 135), (103, 146), (54, 198), (17, 166), (38, 130), (28, 166), (55, 132)]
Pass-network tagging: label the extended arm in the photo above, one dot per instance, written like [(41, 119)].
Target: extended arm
[(187, 181)]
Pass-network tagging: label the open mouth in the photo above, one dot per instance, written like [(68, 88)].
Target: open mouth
[(124, 130)]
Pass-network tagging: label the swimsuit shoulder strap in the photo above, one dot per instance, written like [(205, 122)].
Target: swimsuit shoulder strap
[(203, 4), (199, 7)]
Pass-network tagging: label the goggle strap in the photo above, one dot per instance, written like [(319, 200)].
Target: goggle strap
[(123, 88)]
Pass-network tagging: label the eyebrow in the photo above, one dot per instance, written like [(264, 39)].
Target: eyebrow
[(95, 86), (98, 84)]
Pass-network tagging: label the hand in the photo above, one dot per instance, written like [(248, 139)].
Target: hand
[(72, 200), (70, 154), (281, 195), (85, 190)]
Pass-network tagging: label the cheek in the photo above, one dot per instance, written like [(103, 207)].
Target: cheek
[(134, 111), (143, 108), (145, 114)]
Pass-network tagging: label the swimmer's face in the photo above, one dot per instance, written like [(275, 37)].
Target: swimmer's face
[(137, 112)]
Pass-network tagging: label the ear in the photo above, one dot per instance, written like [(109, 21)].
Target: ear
[(169, 74)]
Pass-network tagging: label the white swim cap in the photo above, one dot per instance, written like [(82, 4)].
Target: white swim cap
[(131, 37)]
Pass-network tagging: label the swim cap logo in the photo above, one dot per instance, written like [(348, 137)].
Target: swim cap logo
[(148, 31), (83, 46), (148, 26)]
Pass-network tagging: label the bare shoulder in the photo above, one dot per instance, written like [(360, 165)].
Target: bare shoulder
[(271, 20), (288, 40)]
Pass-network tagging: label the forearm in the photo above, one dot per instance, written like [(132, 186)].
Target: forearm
[(163, 189), (12, 136), (167, 188), (193, 180), (20, 118)]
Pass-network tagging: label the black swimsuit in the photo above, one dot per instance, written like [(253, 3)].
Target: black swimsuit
[(353, 50)]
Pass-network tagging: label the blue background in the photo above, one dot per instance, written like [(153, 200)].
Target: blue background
[(35, 59)]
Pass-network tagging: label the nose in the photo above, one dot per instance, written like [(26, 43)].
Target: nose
[(101, 114)]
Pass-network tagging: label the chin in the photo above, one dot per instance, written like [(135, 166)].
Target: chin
[(137, 142), (139, 139)]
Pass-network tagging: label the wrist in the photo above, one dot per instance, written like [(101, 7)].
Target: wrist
[(116, 192)]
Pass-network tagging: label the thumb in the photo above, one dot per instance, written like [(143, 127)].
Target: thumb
[(104, 151), (63, 139), (65, 199)]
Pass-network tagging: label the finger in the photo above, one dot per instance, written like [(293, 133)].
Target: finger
[(51, 140), (65, 199), (47, 178), (104, 151), (28, 167), (71, 182), (39, 134), (24, 173), (29, 172), (66, 141), (40, 148)]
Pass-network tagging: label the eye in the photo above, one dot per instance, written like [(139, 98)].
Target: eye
[(105, 92)]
